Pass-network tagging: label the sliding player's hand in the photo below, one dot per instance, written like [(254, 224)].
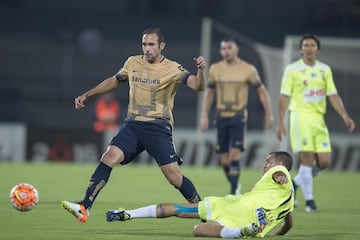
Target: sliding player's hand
[(280, 177)]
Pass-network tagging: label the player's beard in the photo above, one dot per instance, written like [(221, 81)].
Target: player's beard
[(150, 57), (229, 58)]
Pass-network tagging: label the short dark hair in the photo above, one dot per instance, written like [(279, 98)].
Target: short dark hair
[(229, 39), (284, 157), (310, 36), (157, 31)]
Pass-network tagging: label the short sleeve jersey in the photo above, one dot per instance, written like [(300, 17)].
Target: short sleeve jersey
[(308, 86), (276, 199), (152, 88), (231, 82)]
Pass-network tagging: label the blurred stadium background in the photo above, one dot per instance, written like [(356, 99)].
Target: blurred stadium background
[(51, 51)]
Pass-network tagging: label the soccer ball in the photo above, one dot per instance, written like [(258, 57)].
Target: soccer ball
[(24, 197)]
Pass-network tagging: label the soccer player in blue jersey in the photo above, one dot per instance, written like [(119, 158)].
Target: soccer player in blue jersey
[(229, 80), (254, 213), (153, 80), (305, 84)]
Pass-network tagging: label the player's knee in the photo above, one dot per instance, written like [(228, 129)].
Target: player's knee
[(225, 160), (197, 232), (234, 154), (112, 156), (323, 164)]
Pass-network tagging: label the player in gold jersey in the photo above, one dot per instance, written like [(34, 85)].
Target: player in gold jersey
[(306, 83), (153, 80), (254, 213), (230, 79)]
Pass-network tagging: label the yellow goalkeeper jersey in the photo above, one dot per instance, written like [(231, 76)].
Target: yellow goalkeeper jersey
[(236, 211), (276, 199), (308, 86)]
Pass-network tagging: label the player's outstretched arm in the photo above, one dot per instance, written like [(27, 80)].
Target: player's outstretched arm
[(198, 82), (337, 104), (286, 226), (265, 101), (207, 101), (107, 85), (280, 129)]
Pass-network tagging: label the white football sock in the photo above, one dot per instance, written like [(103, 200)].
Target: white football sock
[(306, 181), (227, 232), (144, 212), (297, 179)]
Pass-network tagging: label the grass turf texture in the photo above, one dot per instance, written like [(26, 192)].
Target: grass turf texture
[(132, 186)]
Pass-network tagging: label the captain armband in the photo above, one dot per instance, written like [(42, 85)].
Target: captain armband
[(211, 85), (257, 85), (184, 78), (121, 78)]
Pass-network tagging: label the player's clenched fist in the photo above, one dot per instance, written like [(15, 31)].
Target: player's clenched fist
[(200, 62), (280, 177), (79, 101)]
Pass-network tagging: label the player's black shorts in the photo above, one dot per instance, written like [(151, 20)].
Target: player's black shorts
[(230, 133), (156, 138)]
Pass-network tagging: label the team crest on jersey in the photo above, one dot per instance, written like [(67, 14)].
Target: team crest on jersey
[(181, 68), (322, 72), (304, 141), (306, 82), (313, 75)]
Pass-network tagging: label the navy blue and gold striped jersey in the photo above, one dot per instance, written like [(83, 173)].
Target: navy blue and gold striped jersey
[(231, 82)]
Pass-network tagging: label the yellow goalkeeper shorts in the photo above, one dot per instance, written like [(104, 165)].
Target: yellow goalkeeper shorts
[(229, 211)]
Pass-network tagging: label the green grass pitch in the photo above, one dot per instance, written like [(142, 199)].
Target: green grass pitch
[(337, 196)]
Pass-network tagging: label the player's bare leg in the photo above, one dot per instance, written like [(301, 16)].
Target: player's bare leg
[(323, 160), (163, 210), (225, 163), (81, 210), (172, 173), (189, 210)]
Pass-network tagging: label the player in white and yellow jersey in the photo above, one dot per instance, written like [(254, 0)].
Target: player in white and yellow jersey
[(254, 213), (153, 81), (230, 80), (306, 83)]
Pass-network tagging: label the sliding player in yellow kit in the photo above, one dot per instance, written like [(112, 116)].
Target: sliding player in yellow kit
[(254, 213), (306, 83)]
